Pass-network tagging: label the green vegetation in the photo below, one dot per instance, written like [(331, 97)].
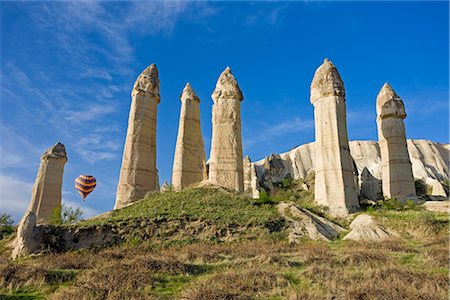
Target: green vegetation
[(217, 244), (65, 215), (6, 225)]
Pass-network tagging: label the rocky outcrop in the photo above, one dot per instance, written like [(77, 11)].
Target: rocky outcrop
[(138, 174), (429, 160), (165, 187), (251, 183), (46, 193), (26, 241), (189, 161), (304, 224), (225, 162), (437, 206), (335, 182), (397, 176), (364, 228)]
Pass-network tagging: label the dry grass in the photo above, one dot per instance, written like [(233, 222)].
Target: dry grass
[(393, 269)]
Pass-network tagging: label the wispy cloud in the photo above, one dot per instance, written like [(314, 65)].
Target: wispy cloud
[(88, 113), (271, 17), (16, 149), (15, 195), (273, 130), (94, 148)]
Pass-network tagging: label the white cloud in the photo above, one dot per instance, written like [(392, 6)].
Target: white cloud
[(89, 113), (15, 195), (273, 130), (94, 148)]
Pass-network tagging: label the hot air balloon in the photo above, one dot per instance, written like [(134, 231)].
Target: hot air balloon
[(85, 184)]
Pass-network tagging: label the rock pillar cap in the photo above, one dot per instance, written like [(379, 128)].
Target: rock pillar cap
[(389, 104), (189, 94), (227, 87), (56, 151), (147, 82), (326, 82)]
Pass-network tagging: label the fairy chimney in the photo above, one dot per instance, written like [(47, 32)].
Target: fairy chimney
[(138, 174), (397, 177), (334, 183), (47, 189), (189, 160), (225, 163)]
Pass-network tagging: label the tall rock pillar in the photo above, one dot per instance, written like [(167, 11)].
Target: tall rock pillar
[(138, 174), (225, 162), (397, 176), (334, 183), (189, 161), (46, 193)]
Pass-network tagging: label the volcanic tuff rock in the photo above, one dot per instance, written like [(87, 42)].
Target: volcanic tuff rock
[(46, 193), (165, 187), (304, 224), (251, 182), (189, 162), (397, 176), (225, 162), (430, 162), (138, 174), (26, 240), (365, 228), (437, 206), (334, 185)]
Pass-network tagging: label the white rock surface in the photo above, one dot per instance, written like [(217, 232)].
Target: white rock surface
[(189, 161), (429, 160), (335, 182), (251, 182), (437, 206), (25, 241), (225, 162), (397, 176), (47, 188), (138, 174), (165, 187), (365, 228), (304, 224)]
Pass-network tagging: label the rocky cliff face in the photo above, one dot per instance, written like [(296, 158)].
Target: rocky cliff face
[(430, 162)]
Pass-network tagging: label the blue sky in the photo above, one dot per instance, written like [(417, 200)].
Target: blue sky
[(67, 69)]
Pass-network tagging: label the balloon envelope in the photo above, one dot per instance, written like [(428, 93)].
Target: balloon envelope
[(85, 184)]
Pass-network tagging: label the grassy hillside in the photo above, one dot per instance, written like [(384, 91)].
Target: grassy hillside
[(218, 245)]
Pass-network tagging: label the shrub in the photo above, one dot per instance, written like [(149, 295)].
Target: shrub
[(391, 204), (421, 187), (264, 198), (65, 215), (6, 225)]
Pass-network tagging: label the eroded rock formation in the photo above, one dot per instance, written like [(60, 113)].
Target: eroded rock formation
[(46, 193), (189, 162), (251, 182), (397, 175), (26, 241), (138, 174), (429, 160), (225, 162), (364, 228), (335, 185), (304, 224)]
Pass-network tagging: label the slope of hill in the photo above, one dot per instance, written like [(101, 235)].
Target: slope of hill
[(213, 244)]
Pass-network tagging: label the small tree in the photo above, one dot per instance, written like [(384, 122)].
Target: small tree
[(71, 215), (65, 215), (6, 225)]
